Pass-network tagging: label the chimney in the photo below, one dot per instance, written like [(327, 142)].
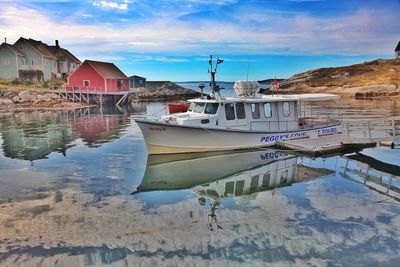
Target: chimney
[(57, 44), (5, 39)]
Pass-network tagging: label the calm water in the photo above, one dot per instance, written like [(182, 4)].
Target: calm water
[(78, 188)]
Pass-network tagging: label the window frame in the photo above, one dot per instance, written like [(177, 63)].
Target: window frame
[(233, 111), (214, 111), (243, 114), (84, 81), (256, 111), (270, 110), (288, 109)]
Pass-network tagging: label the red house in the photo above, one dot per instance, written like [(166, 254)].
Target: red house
[(98, 76)]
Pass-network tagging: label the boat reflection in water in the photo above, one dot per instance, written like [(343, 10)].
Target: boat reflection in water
[(217, 177)]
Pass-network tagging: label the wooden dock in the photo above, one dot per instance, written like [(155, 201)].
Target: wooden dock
[(97, 97), (356, 136), (325, 145)]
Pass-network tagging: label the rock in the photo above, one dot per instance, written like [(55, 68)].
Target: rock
[(26, 96), (6, 104), (15, 99)]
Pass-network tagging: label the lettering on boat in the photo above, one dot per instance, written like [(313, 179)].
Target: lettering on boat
[(279, 137), (157, 129), (273, 155), (326, 131)]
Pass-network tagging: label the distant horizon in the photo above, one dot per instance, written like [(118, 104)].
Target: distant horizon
[(172, 40)]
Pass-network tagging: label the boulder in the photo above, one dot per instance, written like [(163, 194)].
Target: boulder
[(26, 96)]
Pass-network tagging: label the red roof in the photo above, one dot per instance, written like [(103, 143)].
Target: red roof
[(13, 48), (107, 70)]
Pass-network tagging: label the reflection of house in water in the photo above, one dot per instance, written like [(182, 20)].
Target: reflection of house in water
[(34, 135), (219, 176), (96, 127)]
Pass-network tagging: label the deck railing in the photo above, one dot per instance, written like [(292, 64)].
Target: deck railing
[(84, 89)]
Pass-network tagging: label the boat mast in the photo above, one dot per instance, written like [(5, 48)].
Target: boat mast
[(214, 87)]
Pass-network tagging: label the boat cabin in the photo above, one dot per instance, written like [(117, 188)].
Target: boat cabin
[(266, 113)]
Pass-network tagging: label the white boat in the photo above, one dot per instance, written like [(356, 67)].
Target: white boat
[(247, 121)]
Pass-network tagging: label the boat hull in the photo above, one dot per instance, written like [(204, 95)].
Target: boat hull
[(165, 138)]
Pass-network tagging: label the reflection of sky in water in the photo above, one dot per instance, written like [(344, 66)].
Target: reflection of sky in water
[(77, 209)]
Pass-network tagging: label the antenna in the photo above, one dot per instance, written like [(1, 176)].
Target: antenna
[(214, 87)]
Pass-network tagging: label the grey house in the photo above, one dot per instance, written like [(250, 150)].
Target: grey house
[(11, 61), (137, 82), (66, 61), (36, 61), (397, 50)]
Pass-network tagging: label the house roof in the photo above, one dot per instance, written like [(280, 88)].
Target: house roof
[(107, 70), (70, 55), (62, 52), (13, 49), (136, 77), (42, 48), (397, 47)]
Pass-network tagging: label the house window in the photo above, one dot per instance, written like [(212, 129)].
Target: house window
[(286, 109), (21, 47), (255, 110), (267, 110), (229, 111), (86, 82), (240, 113), (5, 61)]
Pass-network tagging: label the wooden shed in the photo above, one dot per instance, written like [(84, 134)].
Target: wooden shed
[(137, 82), (99, 77)]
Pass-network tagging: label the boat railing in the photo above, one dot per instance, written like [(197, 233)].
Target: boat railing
[(290, 125)]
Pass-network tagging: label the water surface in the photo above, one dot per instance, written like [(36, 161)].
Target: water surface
[(78, 188)]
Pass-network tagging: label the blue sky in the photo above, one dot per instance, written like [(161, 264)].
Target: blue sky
[(171, 40)]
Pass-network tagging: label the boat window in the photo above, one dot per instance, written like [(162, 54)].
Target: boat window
[(255, 110), (229, 187), (205, 121), (239, 188), (286, 109), (266, 179), (229, 111), (199, 107), (254, 183), (211, 108), (267, 110), (240, 113), (191, 107), (284, 177)]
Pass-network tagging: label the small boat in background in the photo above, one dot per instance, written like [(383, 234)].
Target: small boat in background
[(178, 107)]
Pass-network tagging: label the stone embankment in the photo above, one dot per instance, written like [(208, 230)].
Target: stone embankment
[(167, 91), (12, 99)]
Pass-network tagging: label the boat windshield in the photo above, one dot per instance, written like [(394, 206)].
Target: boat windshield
[(211, 108), (196, 107)]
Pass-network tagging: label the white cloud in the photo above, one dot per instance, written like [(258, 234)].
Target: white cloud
[(113, 5), (359, 33)]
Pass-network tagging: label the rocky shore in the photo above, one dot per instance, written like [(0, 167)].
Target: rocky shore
[(377, 78), (26, 100), (167, 91)]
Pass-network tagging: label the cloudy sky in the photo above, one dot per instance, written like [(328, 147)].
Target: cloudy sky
[(172, 39)]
